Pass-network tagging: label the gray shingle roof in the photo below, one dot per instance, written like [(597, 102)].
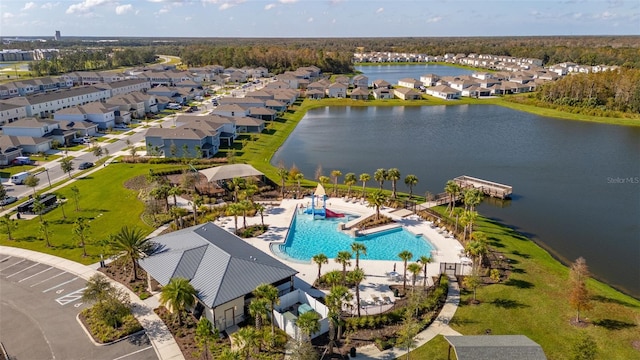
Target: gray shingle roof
[(221, 266), (496, 347)]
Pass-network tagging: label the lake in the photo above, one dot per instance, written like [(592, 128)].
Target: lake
[(576, 184), (393, 73)]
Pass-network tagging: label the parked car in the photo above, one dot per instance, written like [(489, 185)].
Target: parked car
[(82, 140), (85, 165), (8, 200), (120, 126), (174, 106)]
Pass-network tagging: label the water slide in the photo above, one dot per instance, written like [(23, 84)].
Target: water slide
[(333, 214)]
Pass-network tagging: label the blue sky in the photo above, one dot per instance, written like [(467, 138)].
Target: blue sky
[(318, 18)]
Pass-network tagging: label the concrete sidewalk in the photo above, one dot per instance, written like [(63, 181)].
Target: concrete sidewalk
[(439, 326), (163, 342)]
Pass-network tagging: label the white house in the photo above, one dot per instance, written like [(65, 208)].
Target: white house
[(361, 81), (444, 92), (410, 83), (95, 112), (30, 127), (11, 112), (337, 90), (45, 104)]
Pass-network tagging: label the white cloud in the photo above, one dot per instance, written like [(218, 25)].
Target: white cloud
[(310, 19), (577, 15), (434, 19), (28, 6), (7, 15), (163, 11), (49, 5), (225, 6), (123, 9), (287, 1), (379, 10), (606, 16), (269, 6), (86, 6), (188, 18)]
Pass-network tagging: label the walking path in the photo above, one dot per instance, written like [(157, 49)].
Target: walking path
[(163, 343)]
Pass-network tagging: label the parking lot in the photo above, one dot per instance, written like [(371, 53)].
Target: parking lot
[(38, 310)]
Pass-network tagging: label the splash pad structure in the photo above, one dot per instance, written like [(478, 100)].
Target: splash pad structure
[(320, 211)]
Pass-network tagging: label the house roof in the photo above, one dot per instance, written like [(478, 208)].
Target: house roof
[(495, 347), (219, 265), (29, 122), (249, 121)]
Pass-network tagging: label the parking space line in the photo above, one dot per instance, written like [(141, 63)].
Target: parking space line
[(54, 276), (133, 353), (5, 259), (23, 260), (25, 269), (57, 286), (71, 297), (29, 277)]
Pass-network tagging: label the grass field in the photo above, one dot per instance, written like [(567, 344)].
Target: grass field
[(534, 302)]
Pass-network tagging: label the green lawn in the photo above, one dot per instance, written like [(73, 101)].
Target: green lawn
[(534, 302), (103, 200)]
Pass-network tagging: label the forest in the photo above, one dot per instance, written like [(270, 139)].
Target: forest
[(92, 60)]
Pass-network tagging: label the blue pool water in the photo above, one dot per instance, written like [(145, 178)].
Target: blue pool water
[(308, 237)]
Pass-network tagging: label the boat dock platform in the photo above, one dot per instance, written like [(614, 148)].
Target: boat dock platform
[(487, 187)]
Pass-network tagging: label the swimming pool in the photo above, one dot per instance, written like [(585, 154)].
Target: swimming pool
[(308, 237)]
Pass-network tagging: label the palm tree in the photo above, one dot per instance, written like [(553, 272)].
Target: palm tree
[(457, 212), (32, 181), (132, 243), (344, 259), (333, 278), (356, 277), (175, 191), (308, 323), (244, 205), (44, 230), (411, 181), (97, 289), (393, 174), (324, 180), (177, 296), (472, 198), (357, 248), (377, 200), (258, 309), (380, 176), (334, 300), (453, 190), (298, 178), (424, 260), (283, 173), (236, 184), (234, 210), (260, 209), (320, 259), (364, 177), (350, 180), (228, 354), (161, 192), (247, 339), (81, 230), (66, 165), (414, 269), (8, 223), (76, 196), (270, 294), (196, 201), (178, 213), (38, 208), (476, 249), (405, 256), (335, 175)]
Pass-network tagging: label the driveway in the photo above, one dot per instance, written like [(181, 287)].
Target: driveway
[(38, 310)]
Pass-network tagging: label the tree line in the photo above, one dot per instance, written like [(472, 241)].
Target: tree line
[(92, 60), (605, 91)]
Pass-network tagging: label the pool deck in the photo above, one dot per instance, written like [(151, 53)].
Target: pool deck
[(376, 284)]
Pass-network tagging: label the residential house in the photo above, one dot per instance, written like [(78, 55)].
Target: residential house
[(247, 124), (360, 93), (31, 127), (475, 91), (45, 104), (343, 79), (361, 81), (69, 130), (11, 112), (315, 94), (277, 85), (292, 80), (259, 94), (182, 142), (127, 86), (410, 83), (104, 116), (382, 93), (276, 105), (9, 149), (337, 90), (263, 113), (244, 102), (174, 94), (429, 79), (407, 93), (444, 92), (224, 269), (232, 110), (237, 77), (381, 84), (224, 125), (27, 145)]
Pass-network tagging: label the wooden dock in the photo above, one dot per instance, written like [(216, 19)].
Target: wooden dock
[(487, 187)]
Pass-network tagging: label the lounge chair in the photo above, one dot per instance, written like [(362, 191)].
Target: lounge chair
[(387, 300), (363, 303), (376, 300)]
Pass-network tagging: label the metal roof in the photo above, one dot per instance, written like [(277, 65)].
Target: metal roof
[(495, 347), (225, 172), (219, 265)]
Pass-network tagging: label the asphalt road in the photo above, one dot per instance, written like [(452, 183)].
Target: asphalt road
[(38, 310)]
